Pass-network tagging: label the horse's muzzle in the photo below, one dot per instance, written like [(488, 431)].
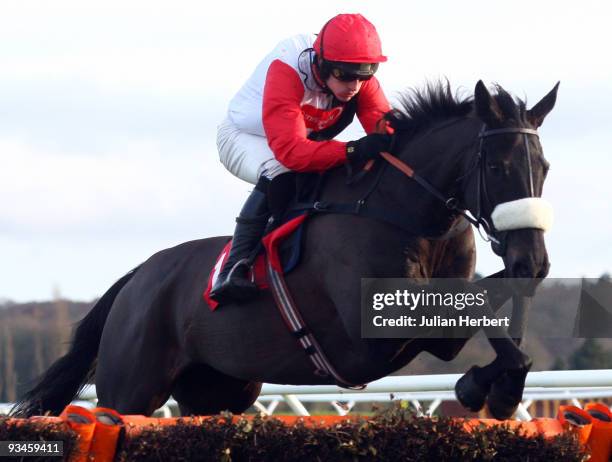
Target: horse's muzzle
[(526, 259)]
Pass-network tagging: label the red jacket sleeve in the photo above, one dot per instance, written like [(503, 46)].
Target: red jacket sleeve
[(285, 128), (371, 105)]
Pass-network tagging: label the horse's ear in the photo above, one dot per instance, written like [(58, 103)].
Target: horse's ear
[(536, 114), (487, 108)]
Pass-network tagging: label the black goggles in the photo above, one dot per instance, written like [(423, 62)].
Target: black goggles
[(349, 72)]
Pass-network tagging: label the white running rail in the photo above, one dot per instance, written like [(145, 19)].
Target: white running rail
[(539, 386)]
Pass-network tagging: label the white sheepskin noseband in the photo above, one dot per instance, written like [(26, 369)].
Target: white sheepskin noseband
[(531, 212)]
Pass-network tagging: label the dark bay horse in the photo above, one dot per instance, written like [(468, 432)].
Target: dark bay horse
[(151, 335)]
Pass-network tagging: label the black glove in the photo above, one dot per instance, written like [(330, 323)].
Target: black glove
[(368, 147)]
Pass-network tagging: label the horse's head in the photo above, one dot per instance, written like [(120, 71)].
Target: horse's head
[(510, 178)]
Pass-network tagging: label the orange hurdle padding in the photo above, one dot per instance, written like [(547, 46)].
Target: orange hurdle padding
[(547, 427), (83, 422), (99, 430), (108, 427), (542, 426), (579, 420), (600, 440), (42, 419), (135, 424)]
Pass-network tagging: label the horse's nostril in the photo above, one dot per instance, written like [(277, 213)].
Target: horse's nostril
[(526, 266)]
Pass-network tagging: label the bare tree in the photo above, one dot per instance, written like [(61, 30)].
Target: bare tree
[(62, 323), (37, 342), (9, 374)]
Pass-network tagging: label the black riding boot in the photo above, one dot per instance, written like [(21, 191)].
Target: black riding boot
[(233, 282)]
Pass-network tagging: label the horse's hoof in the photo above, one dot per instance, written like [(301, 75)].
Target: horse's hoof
[(469, 393), (500, 410), (507, 393), (502, 405)]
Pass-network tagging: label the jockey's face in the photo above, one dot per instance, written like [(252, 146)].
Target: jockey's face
[(343, 91)]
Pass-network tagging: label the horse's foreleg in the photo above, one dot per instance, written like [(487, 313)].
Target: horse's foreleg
[(507, 389), (503, 380), (499, 294), (518, 324)]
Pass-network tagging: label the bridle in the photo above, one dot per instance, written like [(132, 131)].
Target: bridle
[(484, 225), (491, 234)]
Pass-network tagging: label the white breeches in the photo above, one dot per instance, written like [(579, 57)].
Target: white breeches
[(246, 156)]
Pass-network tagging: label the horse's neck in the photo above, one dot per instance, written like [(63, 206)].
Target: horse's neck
[(439, 155), (442, 154)]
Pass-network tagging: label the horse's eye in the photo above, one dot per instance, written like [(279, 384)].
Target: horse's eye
[(494, 167)]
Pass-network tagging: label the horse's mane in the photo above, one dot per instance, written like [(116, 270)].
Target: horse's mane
[(420, 109)]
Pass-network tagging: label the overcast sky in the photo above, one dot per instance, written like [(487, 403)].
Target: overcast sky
[(108, 114)]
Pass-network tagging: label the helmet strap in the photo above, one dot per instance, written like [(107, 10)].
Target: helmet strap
[(320, 73)]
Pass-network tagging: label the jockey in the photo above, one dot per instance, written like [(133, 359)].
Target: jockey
[(284, 119)]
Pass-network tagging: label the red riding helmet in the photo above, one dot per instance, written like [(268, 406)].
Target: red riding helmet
[(349, 38)]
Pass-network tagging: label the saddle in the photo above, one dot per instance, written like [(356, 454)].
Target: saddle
[(281, 244)]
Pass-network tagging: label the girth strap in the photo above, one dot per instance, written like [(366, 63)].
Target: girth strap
[(296, 325)]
